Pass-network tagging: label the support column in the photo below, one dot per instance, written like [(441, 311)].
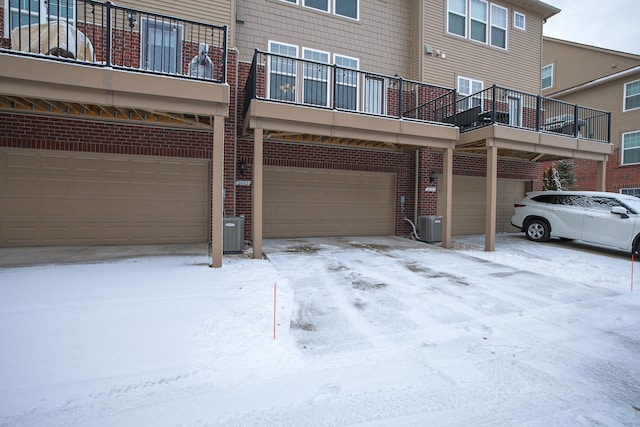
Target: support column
[(601, 175), (256, 198), (447, 177), (491, 198), (217, 188)]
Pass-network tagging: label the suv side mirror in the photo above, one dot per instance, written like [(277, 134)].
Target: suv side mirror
[(620, 210)]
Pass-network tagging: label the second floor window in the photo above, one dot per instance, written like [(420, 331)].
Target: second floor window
[(27, 12), (630, 148), (547, 76), (161, 43), (632, 95), (470, 93)]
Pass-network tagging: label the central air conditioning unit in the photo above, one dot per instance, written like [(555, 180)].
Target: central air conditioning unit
[(430, 228), (233, 235)]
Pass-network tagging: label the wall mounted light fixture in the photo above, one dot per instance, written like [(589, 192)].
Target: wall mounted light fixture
[(433, 176), (242, 168)]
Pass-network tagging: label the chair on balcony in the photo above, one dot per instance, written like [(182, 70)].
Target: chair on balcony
[(201, 66), (56, 38)]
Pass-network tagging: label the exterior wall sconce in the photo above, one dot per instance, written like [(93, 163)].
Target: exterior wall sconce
[(433, 176), (242, 168), (131, 17)]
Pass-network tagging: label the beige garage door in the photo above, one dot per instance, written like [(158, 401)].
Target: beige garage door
[(320, 202), (58, 198), (468, 204)]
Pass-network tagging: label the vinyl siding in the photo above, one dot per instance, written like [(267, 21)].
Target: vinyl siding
[(575, 64), (609, 97), (380, 39), (517, 67)]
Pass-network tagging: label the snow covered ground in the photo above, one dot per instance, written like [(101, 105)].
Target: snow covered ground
[(370, 332)]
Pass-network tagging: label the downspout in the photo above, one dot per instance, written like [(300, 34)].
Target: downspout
[(417, 186), (235, 134)]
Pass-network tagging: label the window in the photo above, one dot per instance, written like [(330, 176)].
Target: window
[(161, 45), (498, 26), (26, 12), (348, 8), (457, 17), (478, 23), (373, 95), (471, 93), (631, 191), (631, 95), (346, 82), (282, 72), (316, 78), (345, 8), (630, 148), (481, 26), (547, 76), (519, 20), (317, 4)]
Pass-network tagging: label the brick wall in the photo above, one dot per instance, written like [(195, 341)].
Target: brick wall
[(617, 177)]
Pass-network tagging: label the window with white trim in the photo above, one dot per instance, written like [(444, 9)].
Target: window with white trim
[(282, 71), (346, 82), (161, 46), (547, 76), (478, 21), (471, 93), (631, 95), (519, 21), (630, 191), (322, 5), (345, 8), (315, 77), (630, 148), (457, 17), (499, 26), (27, 12)]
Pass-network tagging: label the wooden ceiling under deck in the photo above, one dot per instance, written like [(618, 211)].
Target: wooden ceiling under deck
[(56, 108), (286, 137), (480, 148)]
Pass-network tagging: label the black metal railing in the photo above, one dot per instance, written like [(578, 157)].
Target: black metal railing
[(291, 80), (498, 105), (107, 35), (304, 82)]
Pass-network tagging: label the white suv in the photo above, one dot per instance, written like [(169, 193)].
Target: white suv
[(608, 219)]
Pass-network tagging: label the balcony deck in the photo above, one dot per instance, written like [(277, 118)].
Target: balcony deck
[(107, 62), (291, 99)]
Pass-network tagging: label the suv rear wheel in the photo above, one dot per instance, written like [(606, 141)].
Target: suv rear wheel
[(537, 230)]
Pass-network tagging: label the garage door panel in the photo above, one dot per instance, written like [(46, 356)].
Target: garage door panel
[(58, 198), (319, 202), (468, 210)]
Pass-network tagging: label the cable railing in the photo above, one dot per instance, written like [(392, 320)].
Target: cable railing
[(297, 81), (107, 35)]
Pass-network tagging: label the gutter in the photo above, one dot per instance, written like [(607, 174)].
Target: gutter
[(596, 82)]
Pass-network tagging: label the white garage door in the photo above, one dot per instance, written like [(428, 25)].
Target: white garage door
[(321, 202), (61, 198), (468, 204)]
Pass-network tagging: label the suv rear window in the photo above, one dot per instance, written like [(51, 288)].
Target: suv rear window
[(545, 198)]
